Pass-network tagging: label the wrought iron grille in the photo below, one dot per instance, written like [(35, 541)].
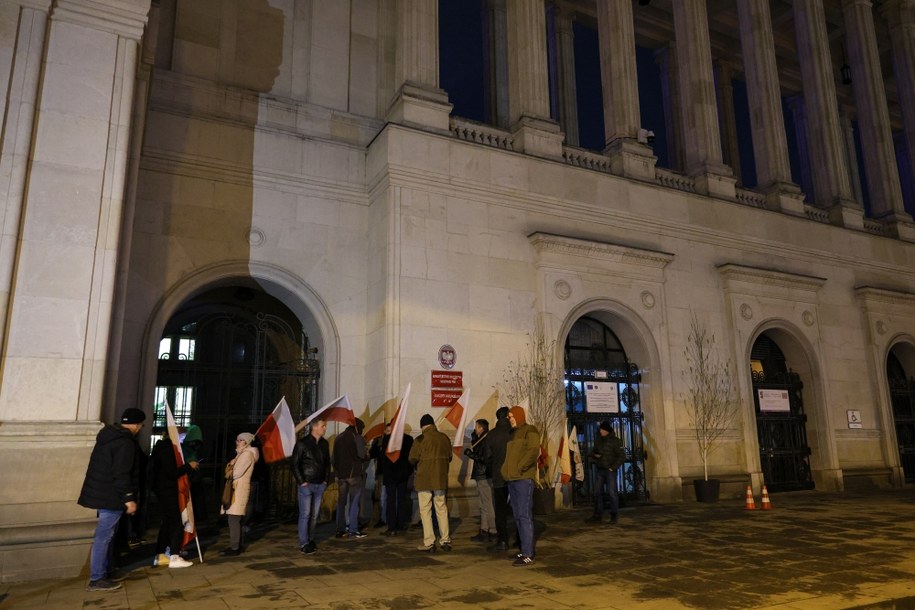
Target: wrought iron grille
[(783, 450), (902, 397)]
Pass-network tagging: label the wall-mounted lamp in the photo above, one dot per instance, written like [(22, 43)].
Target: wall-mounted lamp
[(646, 136)]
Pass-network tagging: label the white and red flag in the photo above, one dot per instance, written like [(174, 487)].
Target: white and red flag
[(457, 416), (375, 430), (565, 462), (184, 484), (338, 410), (277, 434), (576, 455), (397, 425)]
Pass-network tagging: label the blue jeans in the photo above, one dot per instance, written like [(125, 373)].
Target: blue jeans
[(309, 506), (100, 559), (606, 478), (349, 490), (521, 494)]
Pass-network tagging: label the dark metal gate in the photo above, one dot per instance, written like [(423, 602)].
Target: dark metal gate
[(241, 361), (593, 353), (781, 424), (902, 397)]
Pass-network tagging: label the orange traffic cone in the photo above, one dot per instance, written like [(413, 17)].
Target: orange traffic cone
[(766, 504), (751, 505)]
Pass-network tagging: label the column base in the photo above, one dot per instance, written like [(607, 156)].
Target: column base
[(631, 159), (785, 197), (716, 181), (538, 137), (420, 106), (904, 230), (847, 213)]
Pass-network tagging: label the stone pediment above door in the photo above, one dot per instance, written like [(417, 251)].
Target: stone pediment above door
[(588, 256)]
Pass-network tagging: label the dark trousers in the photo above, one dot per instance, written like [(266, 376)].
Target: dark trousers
[(500, 508), (606, 479), (171, 532), (397, 515)]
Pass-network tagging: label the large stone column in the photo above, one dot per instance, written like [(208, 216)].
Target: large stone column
[(63, 267), (770, 145), (900, 18), (670, 92), (568, 94), (730, 148), (620, 87), (418, 101), (701, 136), (529, 95), (829, 171), (496, 62), (873, 114)]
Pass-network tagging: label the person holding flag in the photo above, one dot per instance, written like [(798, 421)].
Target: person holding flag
[(481, 454), (311, 468), (165, 475)]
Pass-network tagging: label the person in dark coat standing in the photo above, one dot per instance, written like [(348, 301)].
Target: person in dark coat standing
[(431, 454), (311, 469), (350, 457), (608, 455), (396, 479), (166, 473), (498, 439), (481, 455), (111, 487)]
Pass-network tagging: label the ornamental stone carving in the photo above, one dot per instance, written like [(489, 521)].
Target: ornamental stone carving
[(255, 237), (881, 327), (807, 317), (647, 300), (562, 290), (746, 312)]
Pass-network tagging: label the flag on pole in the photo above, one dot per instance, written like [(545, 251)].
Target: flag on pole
[(277, 433), (184, 485), (375, 431), (338, 410), (397, 424), (565, 462), (576, 455), (457, 415)]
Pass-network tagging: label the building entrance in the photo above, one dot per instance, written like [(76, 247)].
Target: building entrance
[(596, 363), (780, 419), (902, 397)]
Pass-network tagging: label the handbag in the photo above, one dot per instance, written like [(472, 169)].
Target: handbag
[(227, 492)]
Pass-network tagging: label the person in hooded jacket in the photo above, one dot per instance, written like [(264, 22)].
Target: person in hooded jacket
[(350, 457), (165, 476), (191, 446), (111, 487), (520, 472), (608, 455)]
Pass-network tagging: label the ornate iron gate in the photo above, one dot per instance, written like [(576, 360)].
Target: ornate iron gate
[(782, 429), (593, 353), (902, 397), (242, 360)]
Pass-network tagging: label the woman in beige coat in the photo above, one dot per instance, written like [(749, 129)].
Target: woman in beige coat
[(239, 470)]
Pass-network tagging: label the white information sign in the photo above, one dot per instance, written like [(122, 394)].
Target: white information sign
[(854, 419), (602, 397), (773, 400)]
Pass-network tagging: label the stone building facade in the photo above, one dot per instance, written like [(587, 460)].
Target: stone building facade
[(157, 153)]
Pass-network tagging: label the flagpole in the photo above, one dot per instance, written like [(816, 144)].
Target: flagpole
[(199, 552)]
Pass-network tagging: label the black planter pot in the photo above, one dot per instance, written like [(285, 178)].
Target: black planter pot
[(707, 491)]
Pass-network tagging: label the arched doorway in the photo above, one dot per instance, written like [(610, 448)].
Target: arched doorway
[(226, 357), (900, 363), (781, 422), (602, 384)]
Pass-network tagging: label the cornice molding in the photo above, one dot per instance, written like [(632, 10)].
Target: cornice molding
[(732, 273), (872, 294), (546, 243), (125, 18)]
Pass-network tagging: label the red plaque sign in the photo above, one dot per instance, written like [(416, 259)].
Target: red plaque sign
[(447, 379), (445, 398)]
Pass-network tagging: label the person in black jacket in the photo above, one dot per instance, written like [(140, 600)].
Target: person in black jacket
[(350, 457), (111, 487), (311, 469), (396, 479), (165, 475), (608, 455), (481, 454), (498, 439)]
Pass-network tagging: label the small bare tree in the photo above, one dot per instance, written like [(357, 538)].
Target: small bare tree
[(538, 375), (711, 403)]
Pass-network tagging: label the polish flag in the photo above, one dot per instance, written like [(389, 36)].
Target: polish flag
[(576, 455), (457, 415), (338, 410), (375, 431), (565, 462), (277, 434), (184, 485), (397, 425)]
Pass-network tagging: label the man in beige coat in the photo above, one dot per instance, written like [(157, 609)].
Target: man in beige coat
[(431, 454)]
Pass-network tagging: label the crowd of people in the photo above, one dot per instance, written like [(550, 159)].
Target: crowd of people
[(505, 469)]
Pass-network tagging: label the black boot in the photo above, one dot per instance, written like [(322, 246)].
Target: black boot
[(478, 538)]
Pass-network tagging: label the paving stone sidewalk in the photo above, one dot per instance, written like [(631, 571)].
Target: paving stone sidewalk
[(813, 550)]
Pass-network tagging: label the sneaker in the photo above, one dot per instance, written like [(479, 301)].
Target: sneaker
[(311, 547), (613, 519), (380, 523), (446, 546), (481, 537), (176, 561), (342, 534), (103, 584), (160, 560), (390, 533), (523, 561), (593, 519), (498, 547), (358, 534), (117, 575), (230, 552), (426, 549)]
